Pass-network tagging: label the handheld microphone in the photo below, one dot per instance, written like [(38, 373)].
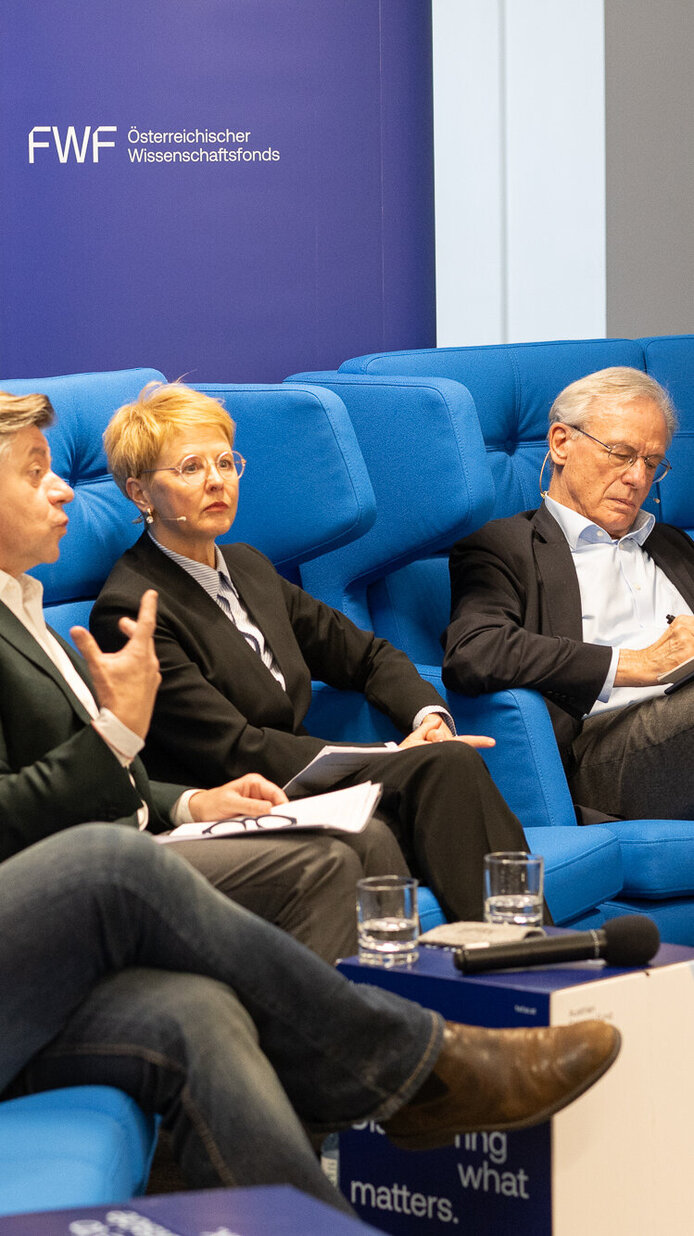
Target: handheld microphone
[(631, 940)]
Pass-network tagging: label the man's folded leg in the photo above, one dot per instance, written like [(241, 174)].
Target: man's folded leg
[(184, 1047), (305, 884), (97, 899)]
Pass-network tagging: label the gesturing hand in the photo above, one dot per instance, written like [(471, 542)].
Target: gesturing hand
[(126, 681)]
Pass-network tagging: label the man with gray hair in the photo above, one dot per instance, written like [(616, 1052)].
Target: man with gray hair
[(591, 602)]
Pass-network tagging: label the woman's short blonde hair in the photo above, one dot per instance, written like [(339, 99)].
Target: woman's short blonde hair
[(138, 431)]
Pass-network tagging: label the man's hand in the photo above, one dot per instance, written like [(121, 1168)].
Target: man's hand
[(249, 795), (126, 682), (641, 667), (434, 729)]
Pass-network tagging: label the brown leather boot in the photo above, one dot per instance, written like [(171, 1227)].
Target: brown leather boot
[(502, 1079)]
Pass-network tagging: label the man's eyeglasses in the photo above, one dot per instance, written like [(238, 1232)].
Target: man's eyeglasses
[(623, 457), (249, 824), (194, 469)]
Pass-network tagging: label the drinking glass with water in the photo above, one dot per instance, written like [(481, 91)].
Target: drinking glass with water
[(387, 920), (513, 885)]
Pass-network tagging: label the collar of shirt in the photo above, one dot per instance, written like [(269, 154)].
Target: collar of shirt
[(580, 531), (23, 595), (216, 580), (209, 578)]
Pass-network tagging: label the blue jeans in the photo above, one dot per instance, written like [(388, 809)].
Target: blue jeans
[(119, 964)]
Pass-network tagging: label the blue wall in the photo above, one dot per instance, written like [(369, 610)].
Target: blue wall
[(227, 269)]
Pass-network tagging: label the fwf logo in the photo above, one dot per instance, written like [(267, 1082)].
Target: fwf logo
[(79, 148)]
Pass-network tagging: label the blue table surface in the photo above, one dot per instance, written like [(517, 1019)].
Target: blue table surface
[(437, 963)]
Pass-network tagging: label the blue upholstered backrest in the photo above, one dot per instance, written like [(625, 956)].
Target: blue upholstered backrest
[(513, 387), (670, 360), (423, 447), (306, 489), (101, 517), (300, 444)]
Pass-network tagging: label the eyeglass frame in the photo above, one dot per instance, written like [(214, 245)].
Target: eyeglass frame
[(285, 821), (177, 468), (628, 460)]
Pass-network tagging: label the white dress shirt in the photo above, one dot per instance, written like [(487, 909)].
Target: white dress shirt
[(625, 597), (23, 596)]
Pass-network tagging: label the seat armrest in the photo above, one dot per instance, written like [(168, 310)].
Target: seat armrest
[(525, 763)]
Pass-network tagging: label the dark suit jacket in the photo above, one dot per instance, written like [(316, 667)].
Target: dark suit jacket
[(516, 614), (55, 770), (219, 712)]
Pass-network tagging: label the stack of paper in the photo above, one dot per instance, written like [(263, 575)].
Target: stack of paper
[(346, 810)]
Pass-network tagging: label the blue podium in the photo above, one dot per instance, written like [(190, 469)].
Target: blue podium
[(617, 1160), (213, 1212)]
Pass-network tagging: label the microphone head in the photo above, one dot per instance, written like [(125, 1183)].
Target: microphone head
[(630, 940)]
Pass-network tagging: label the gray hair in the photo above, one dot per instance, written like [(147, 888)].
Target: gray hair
[(21, 412), (575, 404)]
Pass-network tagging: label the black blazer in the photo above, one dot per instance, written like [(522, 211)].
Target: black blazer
[(55, 770), (219, 711), (516, 614)]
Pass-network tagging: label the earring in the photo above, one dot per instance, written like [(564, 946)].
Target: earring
[(543, 492), (146, 517)]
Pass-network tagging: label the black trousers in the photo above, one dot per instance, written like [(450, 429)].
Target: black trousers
[(446, 812)]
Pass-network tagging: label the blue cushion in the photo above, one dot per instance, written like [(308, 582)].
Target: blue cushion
[(587, 860), (67, 614), (674, 918), (580, 864), (658, 857), (85, 1145)]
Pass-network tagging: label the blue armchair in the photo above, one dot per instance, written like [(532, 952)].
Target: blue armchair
[(512, 388), (422, 444)]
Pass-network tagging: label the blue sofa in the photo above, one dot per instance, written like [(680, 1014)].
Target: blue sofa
[(89, 1145), (83, 1146), (510, 389)]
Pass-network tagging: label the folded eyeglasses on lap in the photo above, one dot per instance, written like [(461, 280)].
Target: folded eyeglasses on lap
[(250, 823)]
